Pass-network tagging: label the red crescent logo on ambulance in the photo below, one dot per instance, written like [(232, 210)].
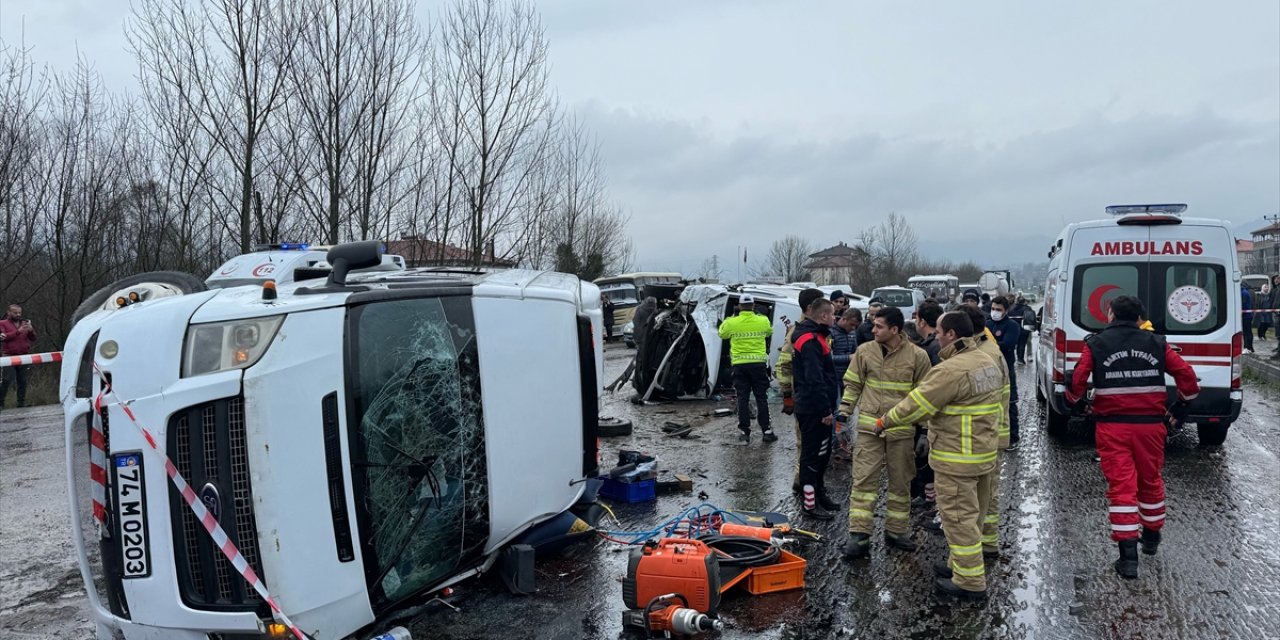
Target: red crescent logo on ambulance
[(1096, 309), (264, 270)]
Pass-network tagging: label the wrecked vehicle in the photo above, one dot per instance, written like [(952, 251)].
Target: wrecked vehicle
[(359, 442), (626, 291), (679, 351)]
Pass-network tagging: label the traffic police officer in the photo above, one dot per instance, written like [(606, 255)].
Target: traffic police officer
[(747, 333), (1128, 366)]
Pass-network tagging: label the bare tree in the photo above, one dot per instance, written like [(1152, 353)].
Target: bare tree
[(226, 61), (496, 117), (710, 269), (22, 97), (892, 245), (787, 258)]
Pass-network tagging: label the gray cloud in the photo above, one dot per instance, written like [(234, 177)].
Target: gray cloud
[(694, 192)]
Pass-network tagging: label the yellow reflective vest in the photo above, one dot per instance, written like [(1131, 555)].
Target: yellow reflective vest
[(747, 333), (878, 379), (961, 399)]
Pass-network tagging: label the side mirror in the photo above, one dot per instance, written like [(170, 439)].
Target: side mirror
[(353, 255)]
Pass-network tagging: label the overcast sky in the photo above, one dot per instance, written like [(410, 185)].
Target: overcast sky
[(987, 124)]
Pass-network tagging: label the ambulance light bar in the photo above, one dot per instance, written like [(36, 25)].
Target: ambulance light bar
[(283, 246), (1126, 209)]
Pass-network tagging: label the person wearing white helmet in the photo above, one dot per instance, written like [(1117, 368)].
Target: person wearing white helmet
[(749, 355)]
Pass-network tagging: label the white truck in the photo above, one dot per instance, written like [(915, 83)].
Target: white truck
[(359, 442), (1185, 272)]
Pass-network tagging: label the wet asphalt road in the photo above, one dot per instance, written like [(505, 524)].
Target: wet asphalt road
[(1217, 575)]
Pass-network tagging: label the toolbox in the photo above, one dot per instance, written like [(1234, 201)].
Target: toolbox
[(630, 492)]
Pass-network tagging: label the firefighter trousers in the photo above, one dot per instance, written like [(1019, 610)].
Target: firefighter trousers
[(1132, 458), (815, 449), (871, 455), (963, 502), (991, 521)]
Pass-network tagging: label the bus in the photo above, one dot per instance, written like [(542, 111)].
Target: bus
[(627, 290), (944, 288)]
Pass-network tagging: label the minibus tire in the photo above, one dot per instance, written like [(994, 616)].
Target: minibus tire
[(1040, 397), (184, 282), (1212, 434), (1056, 423), (609, 427)]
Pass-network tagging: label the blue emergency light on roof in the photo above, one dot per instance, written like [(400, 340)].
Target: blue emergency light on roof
[(283, 246), (1126, 209)]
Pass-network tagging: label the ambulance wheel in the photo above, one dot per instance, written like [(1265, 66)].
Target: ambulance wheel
[(1212, 434), (609, 427), (182, 282), (1056, 422)]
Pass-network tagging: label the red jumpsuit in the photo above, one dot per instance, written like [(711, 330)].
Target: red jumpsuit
[(1130, 408)]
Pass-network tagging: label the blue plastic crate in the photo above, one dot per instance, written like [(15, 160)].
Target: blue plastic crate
[(630, 492)]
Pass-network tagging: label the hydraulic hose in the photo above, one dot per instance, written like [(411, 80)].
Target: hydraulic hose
[(742, 551)]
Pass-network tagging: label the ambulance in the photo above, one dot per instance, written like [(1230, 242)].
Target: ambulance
[(1185, 272)]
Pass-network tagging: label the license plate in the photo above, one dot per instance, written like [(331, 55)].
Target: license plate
[(131, 515)]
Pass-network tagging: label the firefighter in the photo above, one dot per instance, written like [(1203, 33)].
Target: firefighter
[(783, 373), (882, 373), (961, 399), (987, 345), (749, 355), (814, 386), (1128, 366)]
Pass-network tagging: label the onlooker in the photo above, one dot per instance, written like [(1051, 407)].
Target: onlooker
[(1246, 316), (607, 310), (16, 336), (1267, 300), (1006, 333), (841, 303), (986, 303), (865, 333), (927, 315), (844, 339), (1025, 316)]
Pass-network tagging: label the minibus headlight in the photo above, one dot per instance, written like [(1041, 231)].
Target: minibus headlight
[(223, 346)]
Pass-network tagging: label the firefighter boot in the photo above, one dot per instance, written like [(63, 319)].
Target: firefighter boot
[(1150, 541), (899, 541), (859, 545), (1127, 564), (942, 569), (945, 585)]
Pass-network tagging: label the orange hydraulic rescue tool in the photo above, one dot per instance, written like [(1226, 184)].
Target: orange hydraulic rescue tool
[(673, 565)]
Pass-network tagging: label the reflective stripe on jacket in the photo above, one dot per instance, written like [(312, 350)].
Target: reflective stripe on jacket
[(961, 399), (747, 333), (992, 350), (877, 380)]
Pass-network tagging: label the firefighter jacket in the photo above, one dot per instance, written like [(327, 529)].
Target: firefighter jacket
[(878, 379), (989, 347), (961, 399), (747, 333), (1128, 367), (815, 379)]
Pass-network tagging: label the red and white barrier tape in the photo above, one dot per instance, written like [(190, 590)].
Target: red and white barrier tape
[(1260, 311), (202, 514), (34, 358)]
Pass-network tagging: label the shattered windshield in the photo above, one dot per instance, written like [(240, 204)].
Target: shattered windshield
[(418, 450)]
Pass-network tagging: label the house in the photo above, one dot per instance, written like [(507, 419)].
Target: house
[(834, 265), (1265, 252), (421, 252), (1244, 254)]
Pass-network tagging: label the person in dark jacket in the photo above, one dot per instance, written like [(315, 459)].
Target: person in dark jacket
[(865, 333), (1006, 332), (844, 339), (927, 314), (814, 385), (1022, 314), (1266, 300), (1246, 316)]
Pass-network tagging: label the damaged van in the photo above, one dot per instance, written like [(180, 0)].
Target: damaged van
[(356, 444), (679, 349)]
